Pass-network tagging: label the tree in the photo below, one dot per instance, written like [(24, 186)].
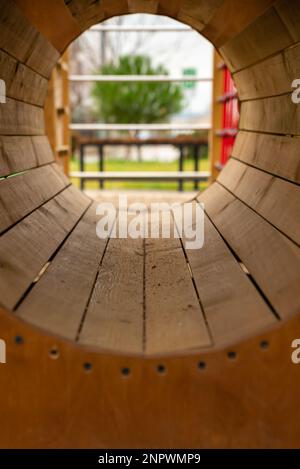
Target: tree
[(136, 102)]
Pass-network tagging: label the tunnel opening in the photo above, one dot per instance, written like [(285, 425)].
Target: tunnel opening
[(166, 116)]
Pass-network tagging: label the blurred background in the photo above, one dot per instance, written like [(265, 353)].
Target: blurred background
[(141, 91)]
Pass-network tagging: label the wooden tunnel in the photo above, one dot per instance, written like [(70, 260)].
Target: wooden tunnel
[(126, 343)]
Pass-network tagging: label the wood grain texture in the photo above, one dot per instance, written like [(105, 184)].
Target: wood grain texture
[(276, 154), (253, 44), (220, 32), (21, 40), (58, 300), (251, 398), (198, 13), (21, 194), (271, 77), (276, 200), (22, 83), (43, 14), (114, 319), (43, 57), (18, 118), (22, 153), (272, 260), (25, 249), (174, 317), (289, 13), (17, 36), (232, 305), (277, 115), (87, 12)]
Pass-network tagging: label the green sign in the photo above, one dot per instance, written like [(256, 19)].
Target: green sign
[(192, 72)]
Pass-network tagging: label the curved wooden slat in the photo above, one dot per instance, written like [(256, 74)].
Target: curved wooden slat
[(276, 154), (43, 15), (174, 316), (220, 32), (25, 249), (278, 115), (22, 83), (58, 300), (276, 200), (21, 40), (253, 44), (22, 153), (198, 14), (289, 13), (223, 286), (272, 260), (18, 118), (271, 77), (120, 282), (21, 194), (43, 57)]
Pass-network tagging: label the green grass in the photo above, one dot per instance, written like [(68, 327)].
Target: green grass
[(123, 165)]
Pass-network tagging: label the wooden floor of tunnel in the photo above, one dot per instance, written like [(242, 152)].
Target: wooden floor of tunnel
[(145, 296)]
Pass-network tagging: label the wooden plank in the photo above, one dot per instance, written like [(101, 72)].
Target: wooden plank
[(232, 305), (220, 32), (17, 36), (167, 8), (22, 153), (22, 83), (288, 10), (143, 6), (21, 40), (44, 14), (114, 319), (58, 300), (277, 154), (87, 12), (43, 57), (42, 149), (272, 260), (18, 118), (271, 77), (25, 249), (253, 44), (198, 14), (174, 318), (20, 195), (274, 115), (276, 200)]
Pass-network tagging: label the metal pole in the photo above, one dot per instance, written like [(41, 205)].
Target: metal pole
[(181, 158), (196, 163), (101, 163), (81, 163)]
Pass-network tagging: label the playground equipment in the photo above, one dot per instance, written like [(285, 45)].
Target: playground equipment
[(140, 344), (225, 116)]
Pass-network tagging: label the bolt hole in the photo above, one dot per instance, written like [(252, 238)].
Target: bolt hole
[(264, 344), (19, 340), (161, 369), (54, 353), (231, 355), (87, 366), (125, 371), (201, 365)]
